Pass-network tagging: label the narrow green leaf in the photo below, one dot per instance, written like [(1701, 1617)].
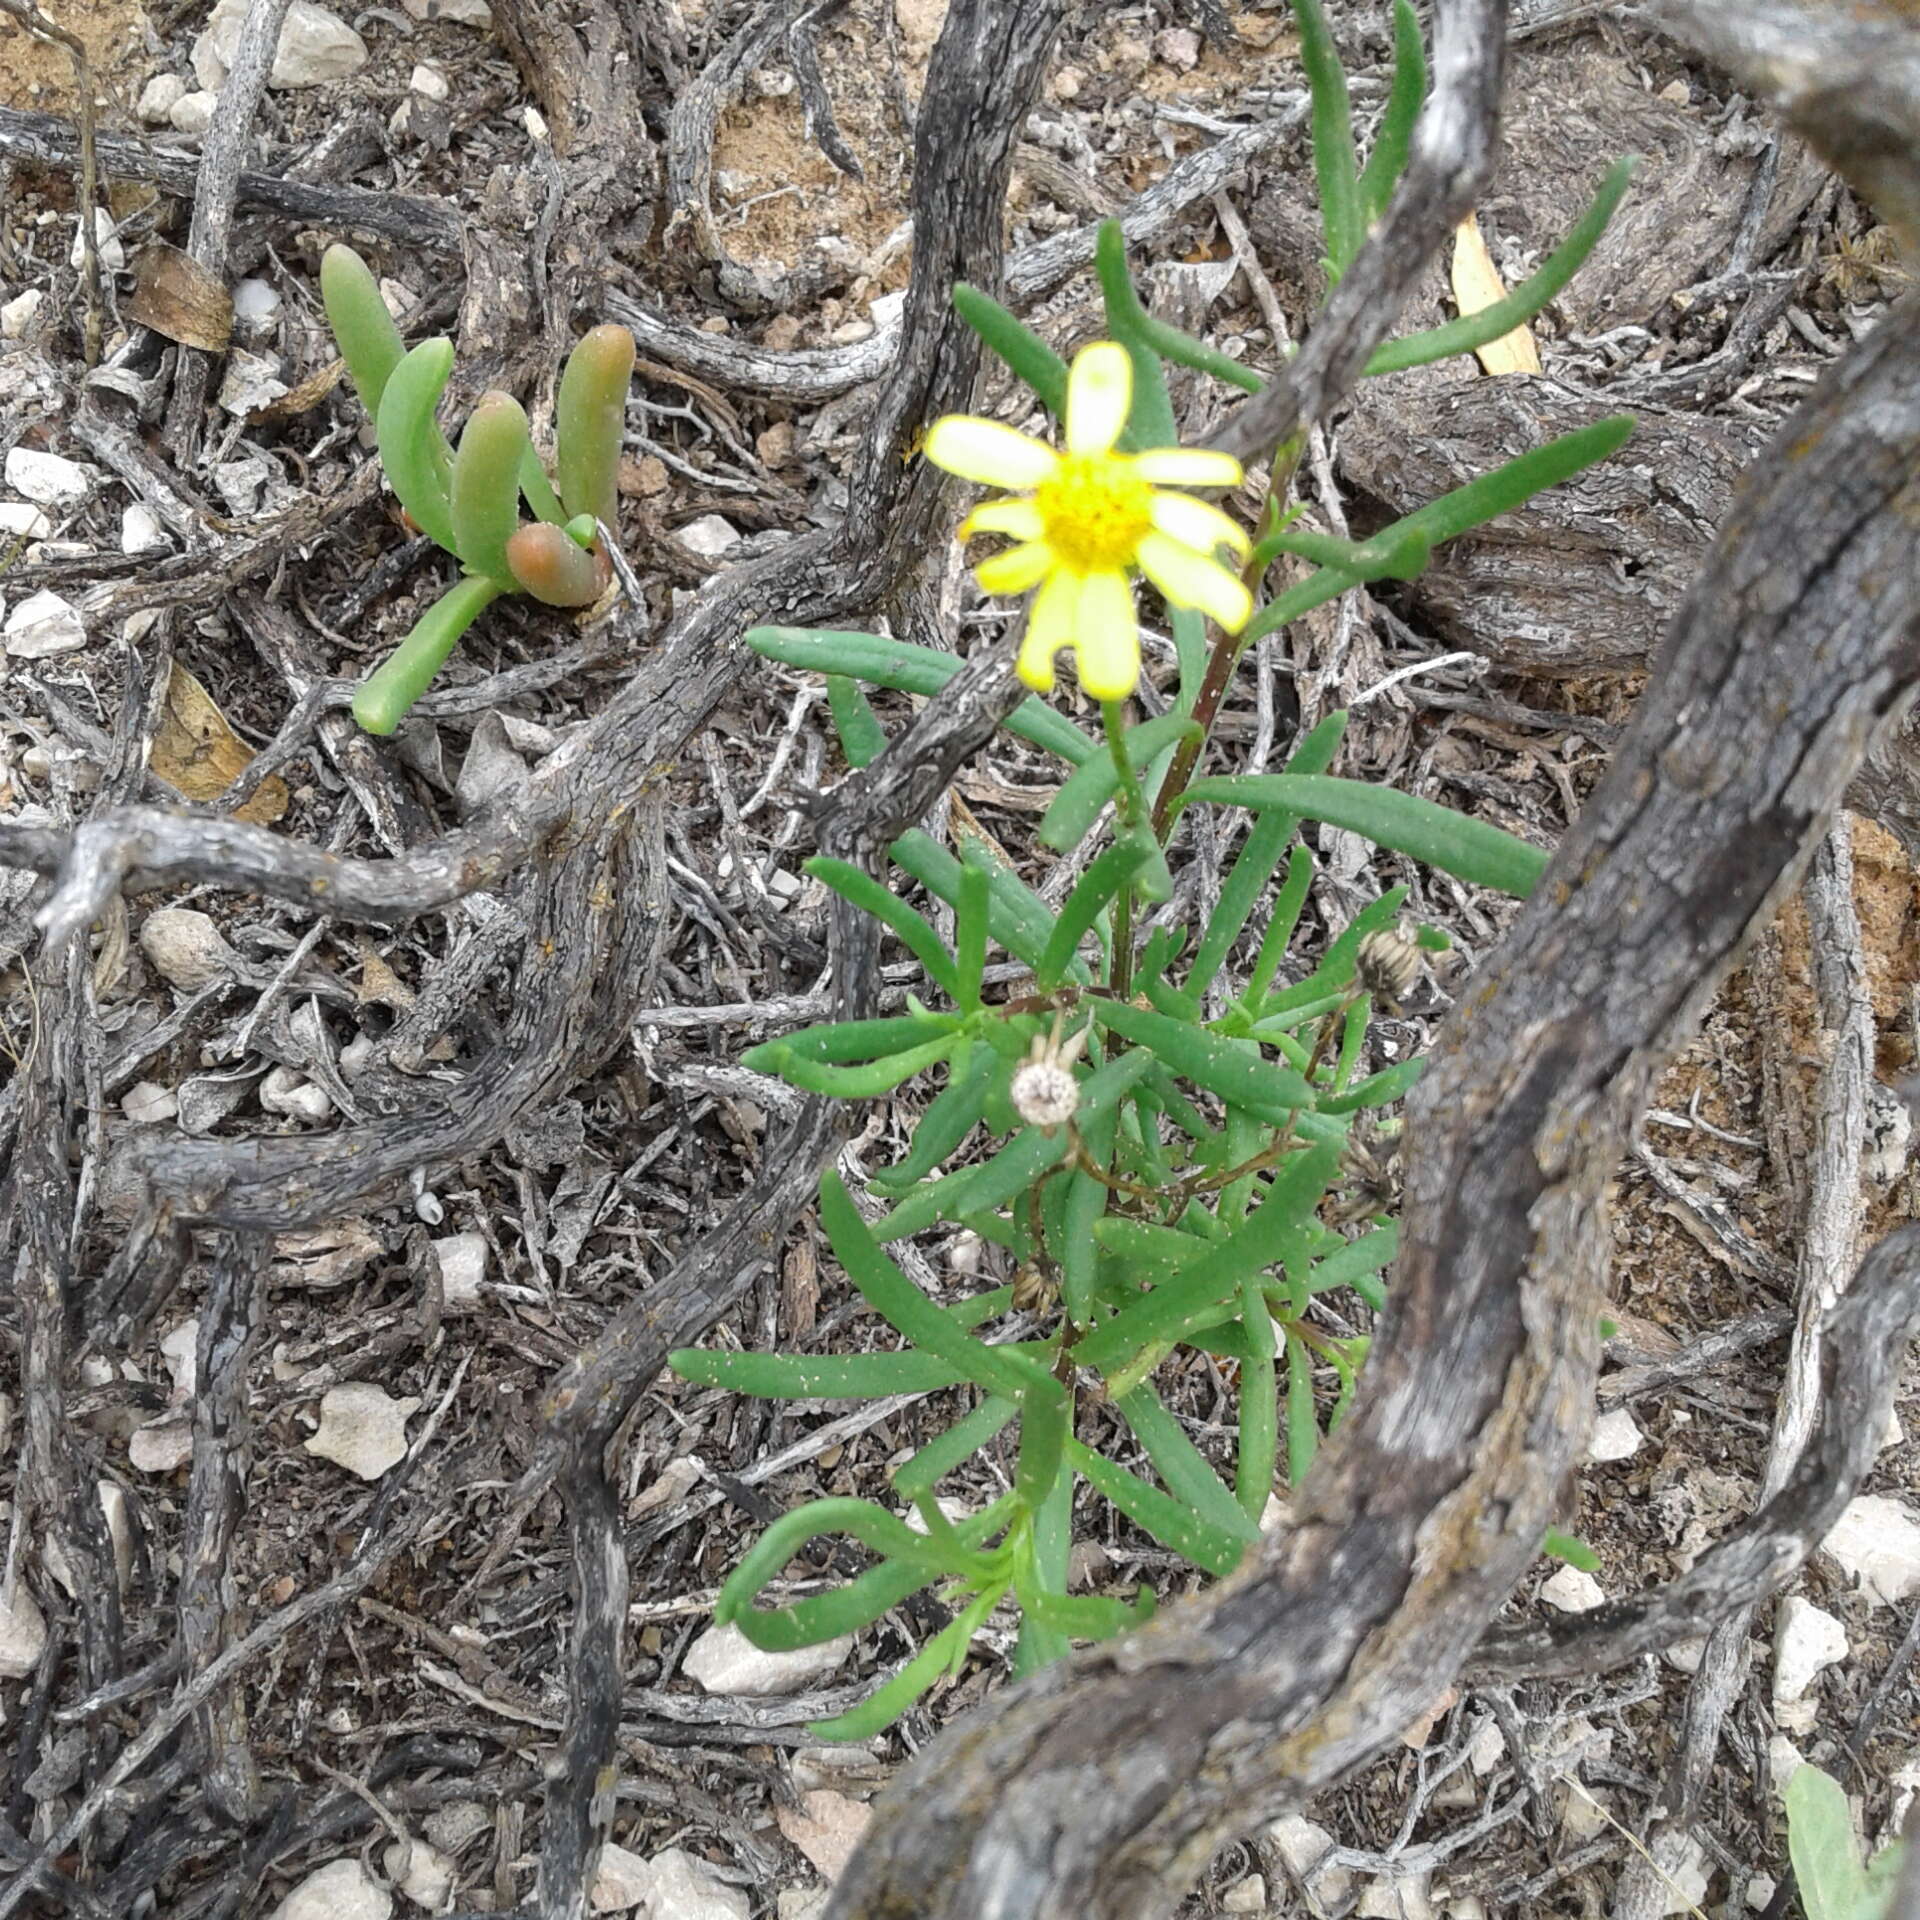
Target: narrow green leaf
[(1570, 1548), (1091, 785), (1024, 353), (903, 1306), (1379, 1090), (384, 696), (862, 738), (873, 1526), (1040, 1644), (1185, 1469), (913, 928), (1259, 854), (1303, 1426), (485, 498), (413, 451), (1016, 916), (1189, 1296), (886, 1704), (1388, 160), (1091, 1616), (1107, 874), (1475, 330), (866, 1081), (979, 1189), (1046, 1418), (945, 1125), (810, 1376), (1150, 424), (970, 937), (960, 1442), (362, 328), (1176, 1527), (1335, 165), (899, 664), (1229, 1068), (825, 1616), (590, 421), (844, 1040), (1349, 1265), (1278, 937), (1259, 1426), (1471, 849)]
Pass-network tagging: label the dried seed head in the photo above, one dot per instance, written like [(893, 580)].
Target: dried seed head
[(1389, 964), (1368, 1181), (1032, 1291), (1045, 1094)]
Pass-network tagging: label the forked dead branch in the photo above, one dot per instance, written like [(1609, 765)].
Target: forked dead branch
[(1102, 1784)]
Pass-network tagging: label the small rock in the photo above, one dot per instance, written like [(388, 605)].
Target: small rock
[(1572, 1591), (1761, 1887), (849, 333), (1784, 1760), (724, 1660), (620, 1882), (43, 624), (1487, 1748), (452, 1826), (1066, 84), (140, 531), (23, 1633), (686, 1888), (1805, 1641), (20, 313), (193, 112), (256, 304), (161, 1446), (709, 536), (1245, 1896), (1684, 1656), (1303, 1846), (826, 1827), (19, 520), (1877, 1544), (1178, 47), (801, 1903), (1893, 1434), (113, 1508), (428, 1876), (251, 381), (158, 98), (47, 480), (106, 243), (1400, 1896), (362, 1428), (1686, 1879), (147, 1104), (315, 46), (782, 333), (185, 948), (463, 1265), (429, 82), (1615, 1436), (285, 1092), (180, 1353), (341, 1890)]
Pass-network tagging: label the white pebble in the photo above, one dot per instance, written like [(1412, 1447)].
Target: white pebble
[(362, 1428), (251, 381), (341, 1890), (193, 112), (141, 531), (23, 1632), (20, 521), (709, 536), (428, 1878), (284, 1092), (1805, 1641), (463, 1265), (159, 97), (1615, 1436), (185, 948), (1572, 1591), (20, 312), (162, 1445), (48, 480), (315, 46), (147, 1104), (620, 1881), (106, 243), (256, 303), (1245, 1896), (428, 82), (42, 624), (724, 1660), (1877, 1543)]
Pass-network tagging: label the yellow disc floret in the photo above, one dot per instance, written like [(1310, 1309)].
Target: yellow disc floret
[(1094, 511), (1083, 520)]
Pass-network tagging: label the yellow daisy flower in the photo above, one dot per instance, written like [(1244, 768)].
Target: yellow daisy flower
[(1085, 518)]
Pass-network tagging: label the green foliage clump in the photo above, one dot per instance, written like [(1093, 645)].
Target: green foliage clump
[(468, 500), (1179, 1168)]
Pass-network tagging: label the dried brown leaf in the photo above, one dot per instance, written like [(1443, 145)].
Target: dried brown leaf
[(1476, 286), (200, 756), (176, 296)]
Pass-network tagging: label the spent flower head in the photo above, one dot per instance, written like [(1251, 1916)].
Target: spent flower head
[(1083, 519)]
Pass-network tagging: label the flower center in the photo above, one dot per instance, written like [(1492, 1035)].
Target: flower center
[(1096, 511)]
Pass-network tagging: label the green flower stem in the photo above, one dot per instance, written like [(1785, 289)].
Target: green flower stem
[(406, 673)]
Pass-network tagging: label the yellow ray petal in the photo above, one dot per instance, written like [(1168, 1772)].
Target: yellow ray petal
[(1189, 580), (1106, 635), (1099, 395), (1020, 518), (1049, 628), (1188, 467), (1197, 524), (988, 451), (1015, 570)]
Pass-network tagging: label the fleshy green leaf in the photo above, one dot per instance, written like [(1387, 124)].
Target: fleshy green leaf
[(1181, 1464), (1106, 875), (945, 1125), (1335, 165), (1820, 1843), (1232, 1069), (1388, 160), (961, 1441), (1150, 424), (913, 928), (1024, 353), (810, 1376), (1472, 849), (1176, 1527), (1091, 785)]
